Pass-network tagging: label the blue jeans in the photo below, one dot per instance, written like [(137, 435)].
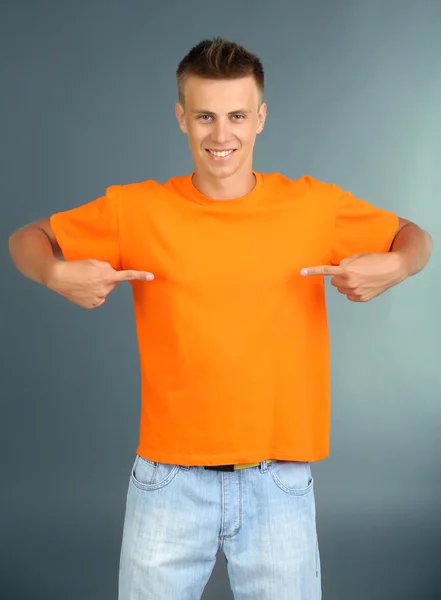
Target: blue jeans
[(178, 518)]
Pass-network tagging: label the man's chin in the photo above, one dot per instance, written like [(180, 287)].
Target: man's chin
[(221, 171)]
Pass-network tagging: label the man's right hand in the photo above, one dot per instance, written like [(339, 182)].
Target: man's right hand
[(88, 282)]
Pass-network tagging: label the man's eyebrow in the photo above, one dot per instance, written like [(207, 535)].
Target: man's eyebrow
[(233, 112)]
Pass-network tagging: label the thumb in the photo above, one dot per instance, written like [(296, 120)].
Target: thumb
[(101, 263), (349, 259), (131, 275)]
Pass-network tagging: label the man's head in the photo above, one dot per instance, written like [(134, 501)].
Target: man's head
[(220, 86)]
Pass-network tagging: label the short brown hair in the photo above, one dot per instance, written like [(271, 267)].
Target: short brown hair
[(219, 59)]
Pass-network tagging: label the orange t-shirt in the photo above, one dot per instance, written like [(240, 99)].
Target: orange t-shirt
[(233, 341)]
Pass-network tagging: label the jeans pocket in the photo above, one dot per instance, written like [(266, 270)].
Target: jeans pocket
[(292, 477), (149, 475)]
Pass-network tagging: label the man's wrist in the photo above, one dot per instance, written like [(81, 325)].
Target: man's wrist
[(402, 265), (52, 269)]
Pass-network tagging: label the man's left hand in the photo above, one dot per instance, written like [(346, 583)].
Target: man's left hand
[(363, 276)]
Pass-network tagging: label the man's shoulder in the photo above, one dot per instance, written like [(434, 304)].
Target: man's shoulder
[(146, 188), (136, 187), (304, 183), (281, 179)]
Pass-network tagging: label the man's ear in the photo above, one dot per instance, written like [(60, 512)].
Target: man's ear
[(180, 115), (261, 118)]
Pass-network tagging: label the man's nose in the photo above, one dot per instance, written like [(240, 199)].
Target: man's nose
[(220, 132)]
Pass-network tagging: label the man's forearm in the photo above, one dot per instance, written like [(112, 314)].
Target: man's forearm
[(414, 246), (32, 253)]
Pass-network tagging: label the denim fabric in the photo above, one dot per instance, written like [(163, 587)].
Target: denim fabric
[(178, 518)]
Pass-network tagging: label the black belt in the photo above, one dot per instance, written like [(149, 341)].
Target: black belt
[(220, 467)]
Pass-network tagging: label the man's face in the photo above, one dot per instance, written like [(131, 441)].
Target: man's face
[(221, 116)]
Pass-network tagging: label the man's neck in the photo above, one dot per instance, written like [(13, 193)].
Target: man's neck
[(228, 188)]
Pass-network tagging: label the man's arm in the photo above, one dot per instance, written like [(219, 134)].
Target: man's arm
[(87, 283), (362, 277), (413, 245), (34, 249)]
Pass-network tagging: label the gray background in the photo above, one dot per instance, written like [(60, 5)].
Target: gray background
[(354, 96)]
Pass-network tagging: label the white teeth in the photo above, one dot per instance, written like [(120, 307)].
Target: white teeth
[(224, 153)]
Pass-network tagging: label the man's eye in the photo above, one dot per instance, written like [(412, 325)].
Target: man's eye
[(237, 117)]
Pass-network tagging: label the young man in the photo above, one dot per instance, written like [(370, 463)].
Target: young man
[(227, 267)]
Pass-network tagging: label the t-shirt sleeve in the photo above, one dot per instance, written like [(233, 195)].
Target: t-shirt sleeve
[(90, 230), (360, 227)]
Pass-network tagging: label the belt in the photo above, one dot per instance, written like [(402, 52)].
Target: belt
[(235, 467)]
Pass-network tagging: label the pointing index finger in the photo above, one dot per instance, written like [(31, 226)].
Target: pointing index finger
[(131, 275), (323, 270)]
